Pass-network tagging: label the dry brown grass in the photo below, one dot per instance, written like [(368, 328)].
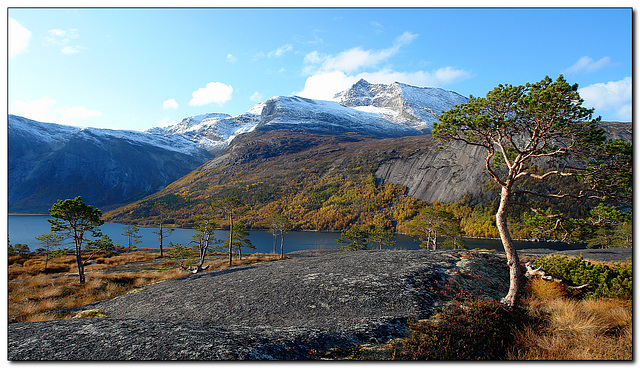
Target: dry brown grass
[(589, 329), (33, 295)]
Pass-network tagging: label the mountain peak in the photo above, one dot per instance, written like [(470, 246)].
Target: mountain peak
[(418, 107)]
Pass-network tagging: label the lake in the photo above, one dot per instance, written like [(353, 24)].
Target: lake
[(24, 228)]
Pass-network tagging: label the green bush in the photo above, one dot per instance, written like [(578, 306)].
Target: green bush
[(612, 281), (465, 330)]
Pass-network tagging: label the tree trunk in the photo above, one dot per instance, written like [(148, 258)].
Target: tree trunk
[(46, 260), (230, 239), (281, 245), (161, 238), (515, 272), (79, 261), (275, 237)]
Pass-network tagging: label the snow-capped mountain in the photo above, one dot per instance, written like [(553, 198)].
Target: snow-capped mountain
[(418, 107), (214, 131), (328, 117), (106, 167), (374, 110), (110, 167)]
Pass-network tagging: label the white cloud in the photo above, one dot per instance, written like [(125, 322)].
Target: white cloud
[(377, 27), (70, 50), (18, 39), (74, 113), (280, 51), (232, 59), (312, 57), (588, 65), (170, 104), (44, 110), (613, 97), (62, 37), (213, 92), (324, 86), (256, 97), (40, 110), (357, 58), (331, 74)]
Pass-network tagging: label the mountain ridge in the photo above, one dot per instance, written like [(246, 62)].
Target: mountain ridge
[(108, 168), (48, 162)]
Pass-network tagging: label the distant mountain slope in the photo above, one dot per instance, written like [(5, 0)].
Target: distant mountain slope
[(326, 181), (107, 168), (213, 131)]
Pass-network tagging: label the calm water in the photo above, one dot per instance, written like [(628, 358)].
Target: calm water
[(24, 228)]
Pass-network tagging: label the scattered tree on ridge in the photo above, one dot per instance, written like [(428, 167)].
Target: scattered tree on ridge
[(74, 217), (278, 225), (229, 206), (102, 244), (530, 133), (379, 234), (49, 241), (162, 232), (131, 232), (203, 239), (433, 222), (241, 238), (354, 239), (18, 248)]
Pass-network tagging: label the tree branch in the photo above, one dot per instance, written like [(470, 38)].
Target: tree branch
[(543, 275), (580, 195), (495, 176)]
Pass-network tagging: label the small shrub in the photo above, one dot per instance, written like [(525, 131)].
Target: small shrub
[(545, 290), (17, 259), (33, 262), (465, 330), (614, 281)]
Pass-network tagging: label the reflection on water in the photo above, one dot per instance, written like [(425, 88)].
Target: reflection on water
[(24, 228)]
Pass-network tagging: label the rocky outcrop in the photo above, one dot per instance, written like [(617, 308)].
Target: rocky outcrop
[(303, 308), (445, 175), (458, 169)]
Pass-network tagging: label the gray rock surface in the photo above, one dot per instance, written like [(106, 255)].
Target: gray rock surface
[(317, 306), (445, 175), (275, 310)]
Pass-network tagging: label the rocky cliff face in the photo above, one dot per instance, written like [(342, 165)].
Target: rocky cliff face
[(432, 175), (449, 174)]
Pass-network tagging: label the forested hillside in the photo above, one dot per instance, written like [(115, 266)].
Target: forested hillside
[(327, 182)]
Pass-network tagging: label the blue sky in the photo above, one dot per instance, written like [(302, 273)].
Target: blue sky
[(139, 68)]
